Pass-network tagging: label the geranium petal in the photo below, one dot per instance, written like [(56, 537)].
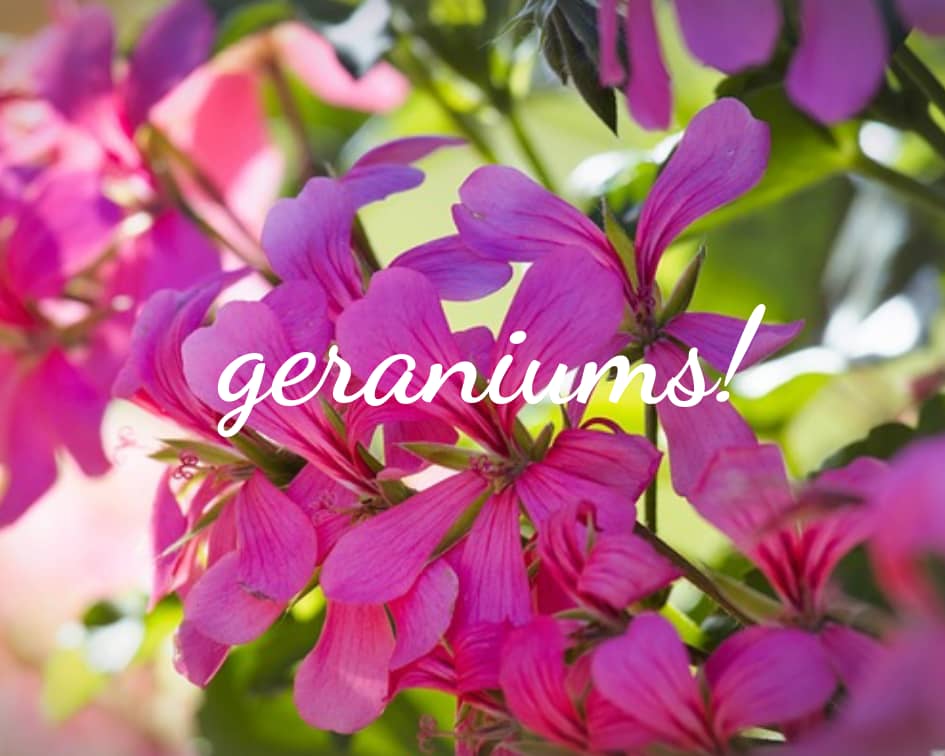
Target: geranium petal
[(839, 62), (722, 155), (730, 35), (456, 271), (424, 613), (197, 657), (342, 684), (648, 88)]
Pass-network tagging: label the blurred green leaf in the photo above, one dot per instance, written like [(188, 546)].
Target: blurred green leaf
[(69, 683)]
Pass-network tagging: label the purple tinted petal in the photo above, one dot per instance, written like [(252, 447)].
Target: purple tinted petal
[(927, 15), (178, 40), (197, 657), (852, 654), (648, 87), (608, 22), (456, 271), (342, 684), (276, 541), (838, 65), (406, 150), (717, 336), (722, 155), (168, 525), (730, 35)]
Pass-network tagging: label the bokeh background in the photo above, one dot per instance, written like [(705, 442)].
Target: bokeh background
[(85, 672)]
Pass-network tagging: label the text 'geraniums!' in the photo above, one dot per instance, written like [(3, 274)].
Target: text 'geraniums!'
[(560, 390)]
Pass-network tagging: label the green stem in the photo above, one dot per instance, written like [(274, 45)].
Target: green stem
[(927, 196), (693, 574), (908, 63), (528, 149), (293, 115), (652, 429)]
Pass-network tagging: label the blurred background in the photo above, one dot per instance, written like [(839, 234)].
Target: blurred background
[(85, 671)]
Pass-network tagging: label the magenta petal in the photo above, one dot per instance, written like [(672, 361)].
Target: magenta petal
[(375, 563), (608, 23), (648, 88), (927, 15), (690, 448), (722, 155), (492, 567), (645, 673), (168, 525), (458, 273), (852, 654), (197, 657), (225, 612), (610, 469), (178, 40), (838, 65), (506, 216), (77, 73), (533, 676), (730, 35), (309, 238), (423, 614), (716, 337), (767, 676), (276, 541), (623, 568), (406, 150), (342, 684)]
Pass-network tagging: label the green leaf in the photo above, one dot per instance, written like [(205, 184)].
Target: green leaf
[(753, 603), (69, 684), (207, 453), (681, 295), (618, 236), (451, 457)]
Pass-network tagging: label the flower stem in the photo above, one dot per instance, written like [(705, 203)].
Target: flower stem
[(693, 574), (927, 196), (293, 115), (909, 64), (651, 421), (528, 149)]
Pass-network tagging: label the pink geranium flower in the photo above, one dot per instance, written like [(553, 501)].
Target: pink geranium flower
[(505, 216), (754, 678), (746, 494)]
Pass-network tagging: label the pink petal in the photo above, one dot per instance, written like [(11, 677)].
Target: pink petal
[(568, 281), (645, 673), (623, 568), (492, 568), (648, 87), (506, 216), (927, 15), (722, 155), (728, 34), (375, 563), (608, 21), (717, 336), (422, 615), (852, 654), (767, 676), (309, 238), (177, 40), (533, 681), (477, 654), (197, 657), (456, 271), (838, 65), (405, 150), (312, 58), (342, 684), (328, 504), (276, 541), (222, 610), (168, 526), (691, 449), (610, 469), (612, 729)]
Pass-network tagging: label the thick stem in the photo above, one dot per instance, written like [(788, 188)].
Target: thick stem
[(929, 197), (651, 421), (909, 64), (293, 115), (527, 146), (693, 574)]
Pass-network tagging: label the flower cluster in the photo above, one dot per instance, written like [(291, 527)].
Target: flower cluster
[(513, 573), (119, 179), (733, 36)]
